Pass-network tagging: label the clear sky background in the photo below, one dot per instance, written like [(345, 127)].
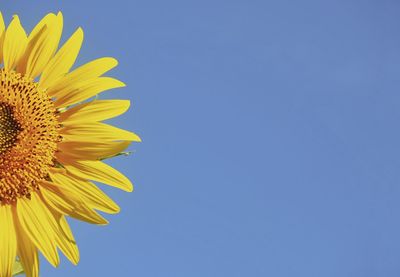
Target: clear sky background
[(270, 136)]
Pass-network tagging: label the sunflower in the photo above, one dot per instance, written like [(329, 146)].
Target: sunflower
[(53, 143)]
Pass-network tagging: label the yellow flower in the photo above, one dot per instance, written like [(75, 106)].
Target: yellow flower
[(52, 142)]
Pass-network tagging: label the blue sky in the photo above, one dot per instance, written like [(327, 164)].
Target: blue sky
[(270, 136)]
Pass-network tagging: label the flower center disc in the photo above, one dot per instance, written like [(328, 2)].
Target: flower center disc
[(28, 136), (9, 127)]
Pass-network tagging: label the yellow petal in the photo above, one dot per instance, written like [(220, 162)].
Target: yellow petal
[(27, 252), (62, 62), (15, 42), (35, 220), (45, 21), (60, 236), (98, 171), (91, 150), (89, 192), (96, 110), (68, 203), (2, 34), (8, 241), (36, 33), (70, 249), (23, 61), (96, 132), (81, 91), (42, 45), (84, 73), (65, 239)]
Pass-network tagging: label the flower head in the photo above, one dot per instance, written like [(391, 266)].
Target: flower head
[(52, 142)]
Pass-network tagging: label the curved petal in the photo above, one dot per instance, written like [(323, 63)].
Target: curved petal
[(65, 239), (62, 62), (42, 45), (8, 241), (45, 21), (83, 73), (2, 34), (96, 110), (89, 192), (79, 92), (98, 171), (91, 150), (27, 251), (35, 220), (67, 203), (15, 42), (96, 132)]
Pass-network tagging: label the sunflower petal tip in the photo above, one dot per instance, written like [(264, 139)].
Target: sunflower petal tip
[(136, 138), (75, 260), (119, 84), (114, 209), (126, 104), (129, 188), (114, 60), (55, 262), (80, 34)]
